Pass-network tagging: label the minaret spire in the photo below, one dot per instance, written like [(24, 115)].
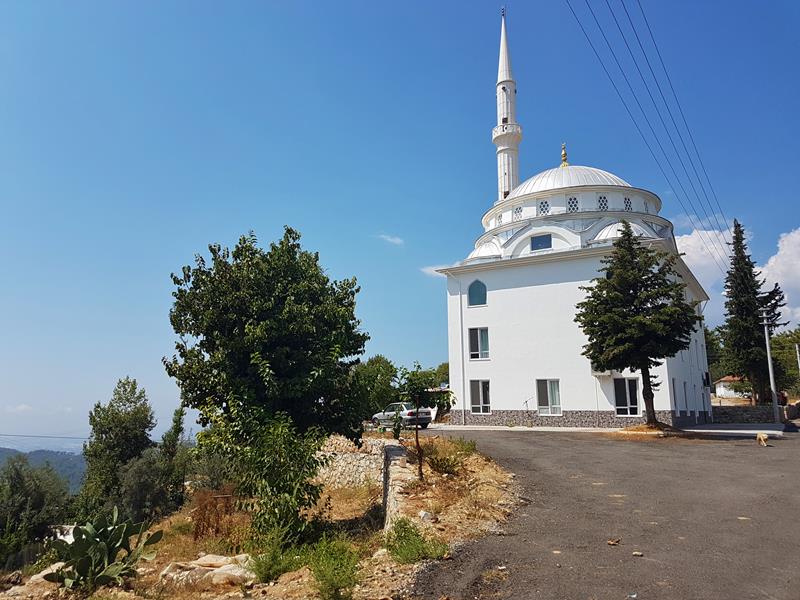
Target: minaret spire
[(507, 134)]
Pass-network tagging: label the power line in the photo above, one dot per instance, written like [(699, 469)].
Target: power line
[(639, 129), (672, 118), (49, 437), (652, 129), (664, 124), (680, 109)]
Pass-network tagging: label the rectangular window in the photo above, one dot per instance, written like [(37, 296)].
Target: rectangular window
[(479, 342), (626, 397), (602, 203), (541, 242), (548, 397), (479, 396)]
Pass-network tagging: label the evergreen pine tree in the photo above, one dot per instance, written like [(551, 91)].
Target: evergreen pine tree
[(636, 314), (744, 348)]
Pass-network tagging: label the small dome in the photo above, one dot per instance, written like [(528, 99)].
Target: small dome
[(486, 250), (613, 231), (565, 177)]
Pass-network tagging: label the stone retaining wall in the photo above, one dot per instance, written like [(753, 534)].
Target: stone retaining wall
[(396, 473), (744, 414), (349, 465), (378, 461)]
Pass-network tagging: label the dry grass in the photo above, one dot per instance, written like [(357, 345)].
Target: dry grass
[(478, 497)]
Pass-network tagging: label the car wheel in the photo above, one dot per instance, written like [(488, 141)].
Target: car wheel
[(424, 425)]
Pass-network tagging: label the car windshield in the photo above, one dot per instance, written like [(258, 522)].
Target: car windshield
[(408, 406)]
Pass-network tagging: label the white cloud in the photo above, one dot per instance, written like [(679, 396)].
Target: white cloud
[(19, 408), (391, 239), (782, 268), (703, 255), (684, 222), (431, 270)]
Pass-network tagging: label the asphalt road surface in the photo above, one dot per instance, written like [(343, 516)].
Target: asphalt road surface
[(712, 519)]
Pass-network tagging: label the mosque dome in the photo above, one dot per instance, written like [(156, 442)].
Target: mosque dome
[(613, 231), (567, 176)]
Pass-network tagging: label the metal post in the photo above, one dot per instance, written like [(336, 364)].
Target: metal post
[(775, 409), (797, 351)]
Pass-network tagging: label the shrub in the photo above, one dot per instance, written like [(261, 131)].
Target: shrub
[(464, 447), (277, 471), (406, 543), (94, 558), (274, 558), (441, 461), (334, 563), (397, 425), (447, 456)]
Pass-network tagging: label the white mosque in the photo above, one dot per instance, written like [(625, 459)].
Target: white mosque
[(514, 347)]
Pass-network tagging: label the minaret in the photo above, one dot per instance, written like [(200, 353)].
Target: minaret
[(508, 134)]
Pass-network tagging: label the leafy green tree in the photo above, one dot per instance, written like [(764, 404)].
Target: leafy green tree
[(266, 332), (744, 344), (144, 493), (636, 314), (120, 432), (276, 467), (443, 372), (713, 342), (175, 457), (420, 387), (375, 380), (32, 501), (784, 354)]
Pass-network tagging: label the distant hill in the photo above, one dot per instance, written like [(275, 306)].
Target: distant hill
[(70, 466)]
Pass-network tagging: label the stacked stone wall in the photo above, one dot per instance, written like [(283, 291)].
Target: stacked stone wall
[(744, 414), (350, 466)]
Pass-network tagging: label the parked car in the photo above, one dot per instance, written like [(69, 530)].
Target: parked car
[(407, 412)]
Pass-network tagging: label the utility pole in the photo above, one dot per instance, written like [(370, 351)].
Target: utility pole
[(775, 408), (797, 352)]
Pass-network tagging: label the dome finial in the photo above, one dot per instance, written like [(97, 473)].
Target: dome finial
[(564, 162)]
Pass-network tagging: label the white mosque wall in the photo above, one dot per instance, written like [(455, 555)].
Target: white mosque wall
[(529, 314)]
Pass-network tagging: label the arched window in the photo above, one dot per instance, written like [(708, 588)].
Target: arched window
[(476, 294)]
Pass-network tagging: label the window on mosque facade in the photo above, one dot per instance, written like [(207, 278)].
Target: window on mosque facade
[(628, 205), (548, 397), (479, 343), (602, 203), (476, 293), (572, 204), (479, 396), (500, 218), (544, 207), (626, 397), (541, 242), (517, 213)]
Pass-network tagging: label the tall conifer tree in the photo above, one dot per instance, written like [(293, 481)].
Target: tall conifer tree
[(636, 314), (744, 347)]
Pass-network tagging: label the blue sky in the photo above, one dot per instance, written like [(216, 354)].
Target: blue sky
[(133, 134)]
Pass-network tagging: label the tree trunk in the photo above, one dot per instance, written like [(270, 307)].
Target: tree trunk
[(416, 439), (647, 395)]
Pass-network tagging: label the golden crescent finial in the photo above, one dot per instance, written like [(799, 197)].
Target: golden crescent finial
[(564, 162)]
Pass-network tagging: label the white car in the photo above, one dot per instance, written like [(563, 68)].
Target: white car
[(407, 412)]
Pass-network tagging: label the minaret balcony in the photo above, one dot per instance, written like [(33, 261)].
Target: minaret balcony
[(507, 133)]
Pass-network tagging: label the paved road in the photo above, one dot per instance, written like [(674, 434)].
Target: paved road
[(713, 519)]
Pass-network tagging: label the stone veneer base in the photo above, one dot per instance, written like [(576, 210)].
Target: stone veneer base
[(569, 418)]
